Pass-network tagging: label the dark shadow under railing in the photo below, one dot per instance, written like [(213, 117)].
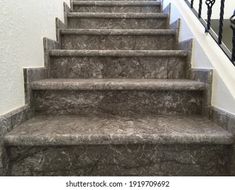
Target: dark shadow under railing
[(218, 37)]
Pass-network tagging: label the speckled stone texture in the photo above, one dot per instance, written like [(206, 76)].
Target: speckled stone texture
[(119, 39), (30, 75), (117, 7), (117, 96), (8, 122), (117, 21), (204, 75), (117, 84), (117, 102), (108, 65), (139, 146), (13, 119), (99, 129), (121, 160), (227, 121)]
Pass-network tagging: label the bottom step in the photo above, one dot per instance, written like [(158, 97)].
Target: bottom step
[(112, 145)]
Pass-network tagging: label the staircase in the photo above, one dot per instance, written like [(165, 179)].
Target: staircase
[(119, 100)]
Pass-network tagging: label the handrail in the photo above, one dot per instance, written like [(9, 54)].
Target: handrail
[(207, 24), (232, 20)]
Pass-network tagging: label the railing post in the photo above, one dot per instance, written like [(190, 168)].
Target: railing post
[(221, 22), (209, 4), (192, 2), (200, 9), (232, 20)]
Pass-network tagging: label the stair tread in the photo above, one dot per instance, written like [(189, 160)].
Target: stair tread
[(108, 129), (126, 53), (116, 15), (117, 84), (117, 3), (119, 31)]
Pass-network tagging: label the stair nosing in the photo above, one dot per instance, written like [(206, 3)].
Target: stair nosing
[(119, 53), (116, 15), (188, 130), (117, 139), (119, 3), (118, 84), (118, 31)]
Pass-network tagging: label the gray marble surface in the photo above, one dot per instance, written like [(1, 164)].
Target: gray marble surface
[(136, 67), (119, 39), (223, 119), (204, 75), (118, 7), (120, 3), (108, 129), (119, 53), (120, 160), (117, 126), (30, 75), (117, 21), (12, 119), (118, 64), (118, 96), (118, 15), (118, 102), (8, 122), (118, 84), (122, 32)]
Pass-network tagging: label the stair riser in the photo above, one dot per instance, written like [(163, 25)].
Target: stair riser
[(120, 160), (117, 9), (117, 102), (119, 42), (117, 23), (118, 67)]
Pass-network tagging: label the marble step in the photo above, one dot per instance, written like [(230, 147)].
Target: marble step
[(117, 6), (118, 20), (118, 96), (113, 145), (118, 39), (150, 64)]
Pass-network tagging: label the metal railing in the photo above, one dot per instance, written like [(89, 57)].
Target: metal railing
[(218, 37)]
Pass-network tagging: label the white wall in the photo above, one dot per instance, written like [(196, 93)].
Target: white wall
[(23, 24), (207, 55)]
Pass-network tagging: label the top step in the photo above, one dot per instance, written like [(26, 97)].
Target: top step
[(117, 6)]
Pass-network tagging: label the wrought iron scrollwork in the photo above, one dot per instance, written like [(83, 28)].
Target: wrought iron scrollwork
[(207, 23), (209, 4), (232, 20), (221, 22), (192, 2), (200, 9)]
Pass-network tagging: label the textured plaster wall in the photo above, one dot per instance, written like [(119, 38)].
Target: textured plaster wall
[(207, 55), (23, 24)]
